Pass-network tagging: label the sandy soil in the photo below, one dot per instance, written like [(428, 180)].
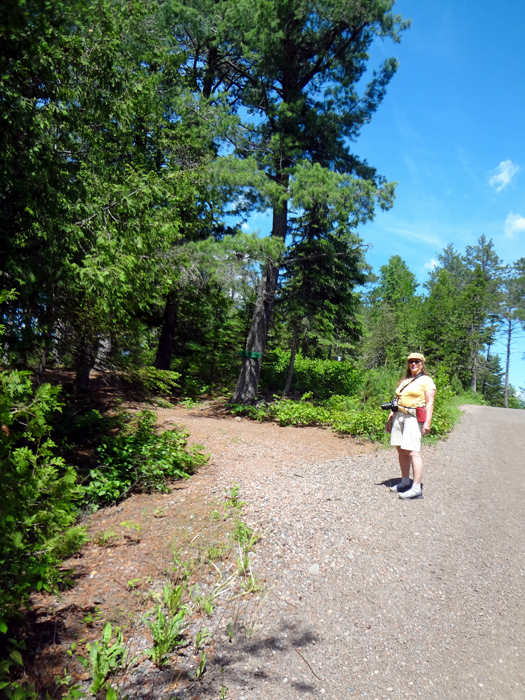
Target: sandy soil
[(365, 595)]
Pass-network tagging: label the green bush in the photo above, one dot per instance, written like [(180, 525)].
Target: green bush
[(322, 377), (39, 493), (138, 458), (358, 415)]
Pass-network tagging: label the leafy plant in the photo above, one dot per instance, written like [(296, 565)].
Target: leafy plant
[(105, 657), (172, 596), (104, 538), (13, 690), (89, 619), (201, 637), (201, 668), (322, 377), (232, 498), (138, 458), (166, 631), (204, 602), (39, 493)]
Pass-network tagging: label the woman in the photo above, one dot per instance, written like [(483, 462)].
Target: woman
[(416, 390)]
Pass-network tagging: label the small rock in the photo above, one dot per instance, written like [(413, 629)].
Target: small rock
[(314, 569)]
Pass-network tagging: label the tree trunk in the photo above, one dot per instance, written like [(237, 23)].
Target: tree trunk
[(484, 385), (288, 383), (86, 361), (248, 381), (474, 380), (167, 334), (507, 364), (41, 369)]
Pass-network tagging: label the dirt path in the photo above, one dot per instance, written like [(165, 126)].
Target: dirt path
[(411, 599), (364, 595)]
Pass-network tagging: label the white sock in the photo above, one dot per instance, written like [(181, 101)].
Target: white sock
[(416, 487), (405, 481)]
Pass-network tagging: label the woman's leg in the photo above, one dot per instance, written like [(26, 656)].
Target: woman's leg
[(404, 462), (417, 466)]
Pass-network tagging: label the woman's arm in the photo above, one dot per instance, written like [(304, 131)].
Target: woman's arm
[(429, 399), (388, 426)]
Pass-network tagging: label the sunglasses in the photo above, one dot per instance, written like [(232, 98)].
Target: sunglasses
[(414, 362)]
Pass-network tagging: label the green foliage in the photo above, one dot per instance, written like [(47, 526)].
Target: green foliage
[(358, 415), (323, 377), (39, 493), (138, 458), (13, 690), (105, 657), (150, 379), (166, 632), (378, 386)]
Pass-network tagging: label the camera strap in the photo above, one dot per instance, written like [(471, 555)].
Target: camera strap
[(420, 374), (404, 409)]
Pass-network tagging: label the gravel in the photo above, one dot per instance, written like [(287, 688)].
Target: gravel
[(369, 596)]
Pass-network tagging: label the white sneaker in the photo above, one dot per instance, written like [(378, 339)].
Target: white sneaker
[(399, 488), (412, 493)]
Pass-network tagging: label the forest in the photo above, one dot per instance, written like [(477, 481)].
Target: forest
[(136, 139)]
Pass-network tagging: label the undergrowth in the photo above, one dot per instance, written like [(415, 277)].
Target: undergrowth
[(359, 414)]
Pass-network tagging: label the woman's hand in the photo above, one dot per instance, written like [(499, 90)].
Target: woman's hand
[(388, 426), (426, 428)]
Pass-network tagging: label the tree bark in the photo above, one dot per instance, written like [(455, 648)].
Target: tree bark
[(248, 381), (87, 357), (288, 383), (484, 385), (167, 334), (507, 364), (42, 364)]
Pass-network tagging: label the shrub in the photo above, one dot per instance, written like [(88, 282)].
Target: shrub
[(322, 377), (39, 492), (138, 458)]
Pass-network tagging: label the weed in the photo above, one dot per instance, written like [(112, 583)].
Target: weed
[(104, 538), (223, 692), (134, 583), (243, 534), (204, 602), (182, 570), (216, 552), (231, 630), (232, 498), (201, 637), (172, 596), (159, 513), (215, 515), (89, 619), (189, 403), (201, 668), (105, 657), (166, 632)]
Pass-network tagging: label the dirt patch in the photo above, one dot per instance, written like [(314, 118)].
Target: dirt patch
[(135, 545)]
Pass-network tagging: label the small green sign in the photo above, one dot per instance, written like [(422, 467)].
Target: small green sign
[(254, 355)]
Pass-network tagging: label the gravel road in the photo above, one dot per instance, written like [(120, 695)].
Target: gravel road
[(373, 597)]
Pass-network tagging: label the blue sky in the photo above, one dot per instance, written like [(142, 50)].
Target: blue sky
[(450, 131)]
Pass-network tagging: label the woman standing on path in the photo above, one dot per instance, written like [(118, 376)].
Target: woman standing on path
[(415, 391)]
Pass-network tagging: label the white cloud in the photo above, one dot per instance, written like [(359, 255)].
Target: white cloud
[(514, 223), (245, 227), (503, 175), (431, 264)]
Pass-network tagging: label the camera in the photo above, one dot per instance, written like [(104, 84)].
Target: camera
[(390, 406)]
